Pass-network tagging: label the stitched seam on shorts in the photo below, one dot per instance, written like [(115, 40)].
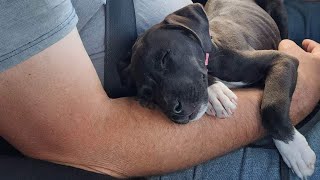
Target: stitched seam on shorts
[(51, 32)]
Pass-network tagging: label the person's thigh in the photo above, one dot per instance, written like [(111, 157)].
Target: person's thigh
[(247, 163), (303, 20)]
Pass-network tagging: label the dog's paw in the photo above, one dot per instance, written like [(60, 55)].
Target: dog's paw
[(298, 155), (222, 101)]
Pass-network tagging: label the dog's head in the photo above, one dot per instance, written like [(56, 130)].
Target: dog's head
[(167, 65)]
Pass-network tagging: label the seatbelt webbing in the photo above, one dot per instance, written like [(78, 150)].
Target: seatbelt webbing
[(121, 34)]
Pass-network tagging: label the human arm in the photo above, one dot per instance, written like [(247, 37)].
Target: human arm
[(54, 108)]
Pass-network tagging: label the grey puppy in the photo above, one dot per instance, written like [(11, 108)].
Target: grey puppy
[(184, 63)]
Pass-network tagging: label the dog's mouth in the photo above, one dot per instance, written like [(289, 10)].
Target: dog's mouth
[(181, 119), (186, 118)]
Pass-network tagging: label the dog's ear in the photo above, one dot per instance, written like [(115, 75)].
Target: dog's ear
[(193, 19), (124, 68)]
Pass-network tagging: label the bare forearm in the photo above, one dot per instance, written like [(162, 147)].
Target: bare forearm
[(159, 146), (121, 138), (137, 141)]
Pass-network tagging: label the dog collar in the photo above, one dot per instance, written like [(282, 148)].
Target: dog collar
[(206, 62)]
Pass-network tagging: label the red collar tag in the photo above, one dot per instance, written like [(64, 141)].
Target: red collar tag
[(207, 59)]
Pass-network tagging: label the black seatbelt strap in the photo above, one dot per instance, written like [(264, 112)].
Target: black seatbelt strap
[(121, 34)]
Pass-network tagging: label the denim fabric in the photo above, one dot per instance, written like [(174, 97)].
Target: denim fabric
[(303, 20), (246, 164), (29, 26)]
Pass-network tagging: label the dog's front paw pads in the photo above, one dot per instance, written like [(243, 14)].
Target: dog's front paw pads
[(298, 155), (222, 101)]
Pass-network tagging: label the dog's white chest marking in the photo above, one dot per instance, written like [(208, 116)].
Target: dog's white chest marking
[(298, 155), (222, 102), (232, 84)]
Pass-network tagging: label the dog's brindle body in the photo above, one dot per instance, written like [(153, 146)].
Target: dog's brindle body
[(167, 66), (245, 39)]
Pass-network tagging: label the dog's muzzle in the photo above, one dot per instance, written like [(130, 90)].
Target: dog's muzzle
[(186, 118)]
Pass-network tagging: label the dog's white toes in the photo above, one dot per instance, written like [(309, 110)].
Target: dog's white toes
[(222, 100), (229, 93), (234, 101), (287, 162), (298, 155), (215, 108), (210, 110), (222, 114), (296, 170)]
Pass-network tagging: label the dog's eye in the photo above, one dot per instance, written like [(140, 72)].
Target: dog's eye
[(164, 58), (204, 77)]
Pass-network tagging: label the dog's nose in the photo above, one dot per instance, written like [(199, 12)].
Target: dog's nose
[(177, 108)]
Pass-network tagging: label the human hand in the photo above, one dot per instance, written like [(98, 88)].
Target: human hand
[(308, 78)]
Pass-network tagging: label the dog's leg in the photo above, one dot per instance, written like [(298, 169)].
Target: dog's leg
[(276, 9), (279, 72), (279, 86)]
